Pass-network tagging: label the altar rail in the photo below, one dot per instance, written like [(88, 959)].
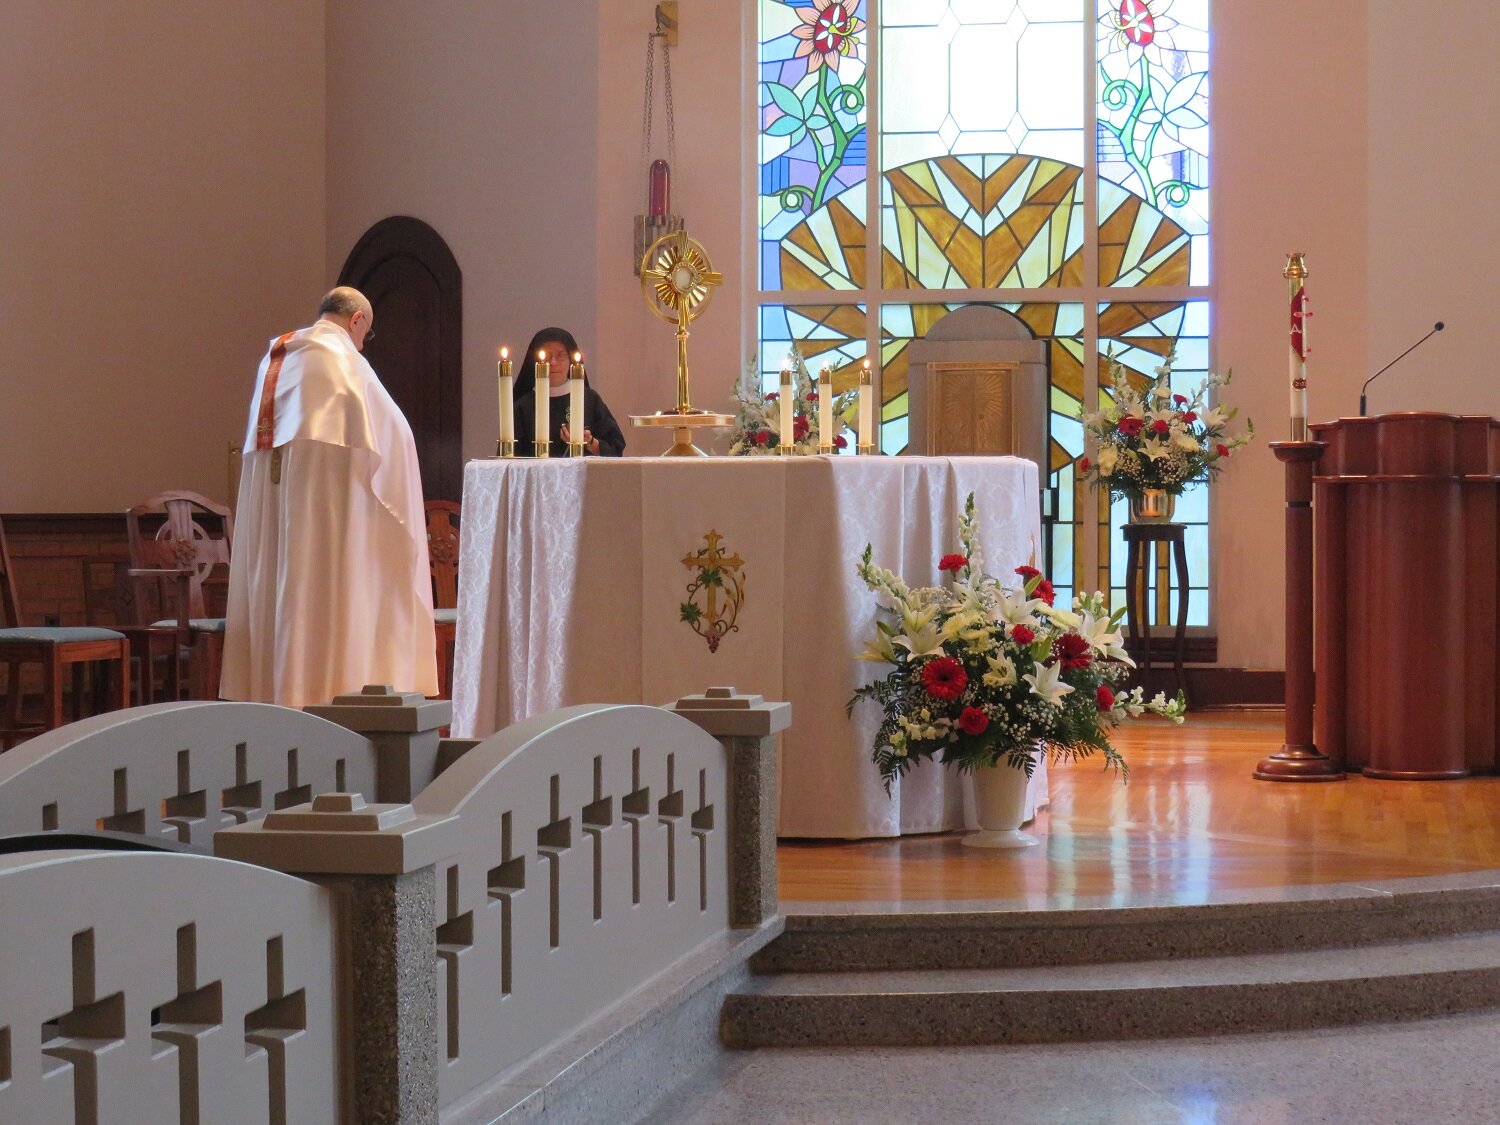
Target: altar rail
[(150, 986), (546, 874), (180, 771)]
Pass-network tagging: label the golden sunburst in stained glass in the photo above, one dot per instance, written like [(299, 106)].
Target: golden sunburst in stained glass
[(982, 222)]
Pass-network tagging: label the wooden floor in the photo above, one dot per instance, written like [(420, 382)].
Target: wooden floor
[(1190, 822)]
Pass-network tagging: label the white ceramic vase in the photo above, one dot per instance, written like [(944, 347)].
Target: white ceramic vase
[(1000, 804)]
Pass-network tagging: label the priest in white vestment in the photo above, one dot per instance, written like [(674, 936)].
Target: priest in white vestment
[(329, 586)]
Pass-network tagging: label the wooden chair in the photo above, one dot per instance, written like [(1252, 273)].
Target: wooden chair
[(192, 536), (54, 648), (443, 520)]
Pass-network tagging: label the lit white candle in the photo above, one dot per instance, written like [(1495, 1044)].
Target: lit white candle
[(542, 392), (825, 410), (507, 398), (575, 405), (866, 438), (786, 400)]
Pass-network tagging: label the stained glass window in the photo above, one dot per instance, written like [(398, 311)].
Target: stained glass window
[(971, 173), (812, 143), (1152, 133)]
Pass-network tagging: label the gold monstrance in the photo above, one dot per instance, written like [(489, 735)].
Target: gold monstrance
[(677, 280)]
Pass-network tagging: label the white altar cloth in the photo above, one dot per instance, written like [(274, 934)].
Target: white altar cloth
[(572, 585)]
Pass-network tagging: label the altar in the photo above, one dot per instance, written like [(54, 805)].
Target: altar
[(639, 580)]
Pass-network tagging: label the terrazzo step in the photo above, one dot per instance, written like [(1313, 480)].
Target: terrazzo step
[(1311, 918), (1124, 1000)]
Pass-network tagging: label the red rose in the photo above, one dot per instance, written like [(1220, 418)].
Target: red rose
[(1160, 426), (1179, 399), (1105, 698), (944, 678), (1083, 466), (761, 437), (799, 428), (1022, 634), (1130, 426), (955, 563), (1044, 591), (1190, 416), (1223, 450), (1072, 650), (840, 442), (973, 720), (773, 396)]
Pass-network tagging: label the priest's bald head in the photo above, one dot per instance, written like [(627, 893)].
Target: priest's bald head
[(351, 311)]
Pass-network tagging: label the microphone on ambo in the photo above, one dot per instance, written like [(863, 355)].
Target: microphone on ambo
[(1436, 328)]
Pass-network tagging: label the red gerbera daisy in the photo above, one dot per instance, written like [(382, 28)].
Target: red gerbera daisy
[(1072, 650), (944, 678)]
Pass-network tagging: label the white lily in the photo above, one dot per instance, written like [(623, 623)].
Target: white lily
[(919, 634), (879, 650), (1046, 682), (1109, 457), (1017, 609), (1155, 449), (1213, 417), (1002, 671), (1103, 639)]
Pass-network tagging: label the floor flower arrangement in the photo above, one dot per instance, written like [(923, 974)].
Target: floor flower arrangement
[(984, 674)]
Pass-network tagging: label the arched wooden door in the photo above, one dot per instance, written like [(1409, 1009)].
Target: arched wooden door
[(413, 281)]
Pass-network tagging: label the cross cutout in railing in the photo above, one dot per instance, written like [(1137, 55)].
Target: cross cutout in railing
[(189, 806), (551, 841), (455, 937), (598, 816), (241, 801), (506, 880), (293, 794), (182, 1022), (124, 819), (701, 824), (669, 812), (276, 1022), (635, 807), (80, 1036)]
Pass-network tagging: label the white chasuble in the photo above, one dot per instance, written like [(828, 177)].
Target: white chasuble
[(329, 586)]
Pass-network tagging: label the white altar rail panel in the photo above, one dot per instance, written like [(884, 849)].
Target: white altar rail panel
[(155, 986), (591, 855), (178, 770)]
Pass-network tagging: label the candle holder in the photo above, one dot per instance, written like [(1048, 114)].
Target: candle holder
[(866, 449), (577, 449), (542, 449), (505, 447)]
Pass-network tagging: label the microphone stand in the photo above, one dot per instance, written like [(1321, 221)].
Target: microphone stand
[(1438, 327)]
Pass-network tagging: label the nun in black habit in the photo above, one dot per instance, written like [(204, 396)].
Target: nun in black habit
[(601, 434)]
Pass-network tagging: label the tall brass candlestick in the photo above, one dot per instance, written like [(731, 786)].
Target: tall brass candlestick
[(575, 407), (866, 437), (506, 447), (1296, 278), (542, 392), (825, 409)]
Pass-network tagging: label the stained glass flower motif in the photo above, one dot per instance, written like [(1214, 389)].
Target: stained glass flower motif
[(1139, 27), (828, 31)]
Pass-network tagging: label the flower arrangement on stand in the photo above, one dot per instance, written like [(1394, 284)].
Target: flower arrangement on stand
[(983, 674), (1154, 440), (757, 415)]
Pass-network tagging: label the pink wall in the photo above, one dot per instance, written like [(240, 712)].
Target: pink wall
[(161, 216), (708, 71), (481, 124), (1289, 174), (1433, 223)]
